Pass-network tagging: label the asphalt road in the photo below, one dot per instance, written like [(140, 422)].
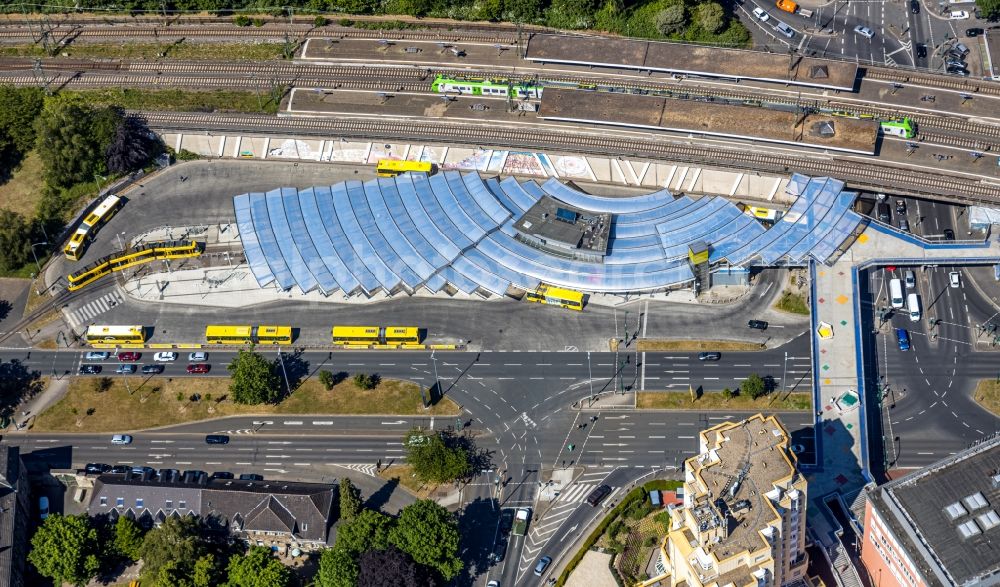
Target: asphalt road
[(928, 410)]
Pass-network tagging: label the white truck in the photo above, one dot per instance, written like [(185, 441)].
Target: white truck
[(521, 518)]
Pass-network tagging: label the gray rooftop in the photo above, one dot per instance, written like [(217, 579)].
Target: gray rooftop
[(947, 516), (553, 220), (13, 519)]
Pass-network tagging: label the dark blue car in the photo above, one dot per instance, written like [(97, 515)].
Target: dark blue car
[(903, 338)]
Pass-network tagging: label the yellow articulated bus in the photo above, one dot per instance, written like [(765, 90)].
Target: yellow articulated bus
[(113, 335), (90, 225), (376, 335), (144, 254), (394, 167), (247, 334), (556, 296)]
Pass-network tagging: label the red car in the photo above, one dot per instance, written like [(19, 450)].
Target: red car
[(198, 368), (128, 357)]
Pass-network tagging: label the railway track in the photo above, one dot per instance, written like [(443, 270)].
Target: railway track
[(860, 174), (195, 74), (949, 82)]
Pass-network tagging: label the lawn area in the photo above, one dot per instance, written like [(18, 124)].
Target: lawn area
[(155, 403), (988, 395), (794, 303), (20, 194), (713, 400), (182, 100), (150, 51), (404, 474), (650, 344)]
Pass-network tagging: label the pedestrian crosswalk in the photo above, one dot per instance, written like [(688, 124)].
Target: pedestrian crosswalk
[(576, 492), (84, 314), (366, 469)]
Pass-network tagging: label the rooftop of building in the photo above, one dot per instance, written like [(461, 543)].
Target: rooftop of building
[(10, 476), (554, 220), (744, 462), (947, 515)]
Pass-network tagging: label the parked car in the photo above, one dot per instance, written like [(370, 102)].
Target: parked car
[(198, 368), (910, 279), (97, 468), (493, 583), (904, 225), (197, 357), (757, 324), (142, 469), (784, 29), (165, 357), (915, 6), (96, 356), (958, 14), (797, 449), (954, 280), (221, 475), (43, 507), (974, 32), (959, 48), (761, 14), (864, 31), (954, 70), (900, 206), (251, 477), (192, 476), (955, 63), (120, 469), (90, 369), (121, 439), (949, 234), (216, 439), (921, 50), (543, 563), (709, 356), (126, 369), (168, 475), (129, 356), (152, 369)]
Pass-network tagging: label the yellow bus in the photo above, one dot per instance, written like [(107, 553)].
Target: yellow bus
[(394, 167), (247, 334), (556, 296), (101, 335), (375, 334), (97, 218)]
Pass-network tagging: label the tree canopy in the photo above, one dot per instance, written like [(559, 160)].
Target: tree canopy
[(72, 139), (65, 549), (990, 9), (433, 460), (254, 380), (171, 551), (390, 568), (18, 109), (258, 568), (15, 240), (128, 538), (337, 568), (429, 533), (350, 500), (753, 386)]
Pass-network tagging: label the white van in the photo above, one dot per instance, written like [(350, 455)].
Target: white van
[(913, 305), (896, 293)]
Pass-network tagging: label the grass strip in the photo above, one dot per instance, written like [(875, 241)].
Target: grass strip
[(714, 400), (651, 344), (793, 303), (988, 395), (148, 402), (182, 100)]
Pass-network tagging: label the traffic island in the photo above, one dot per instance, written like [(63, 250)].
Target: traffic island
[(988, 395), (717, 400), (116, 404)]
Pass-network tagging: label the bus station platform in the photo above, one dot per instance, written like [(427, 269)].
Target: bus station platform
[(692, 60), (726, 120)]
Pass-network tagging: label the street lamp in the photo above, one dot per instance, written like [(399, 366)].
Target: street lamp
[(36, 256)]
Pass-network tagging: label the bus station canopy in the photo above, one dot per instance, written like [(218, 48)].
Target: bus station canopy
[(457, 230)]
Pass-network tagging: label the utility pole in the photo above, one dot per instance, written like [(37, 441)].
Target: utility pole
[(284, 373), (437, 382)]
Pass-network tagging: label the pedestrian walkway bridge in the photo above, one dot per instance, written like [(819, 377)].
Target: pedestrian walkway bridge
[(398, 235)]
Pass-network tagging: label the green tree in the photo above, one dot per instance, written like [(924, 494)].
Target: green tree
[(337, 568), (128, 538), (572, 14), (350, 500), (204, 572), (65, 549), (254, 380), (433, 460), (429, 533), (365, 381), (326, 378), (671, 18), (15, 241), (366, 531), (710, 16), (389, 568), (728, 394), (175, 546), (753, 386), (258, 568), (18, 109), (989, 9), (72, 138)]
